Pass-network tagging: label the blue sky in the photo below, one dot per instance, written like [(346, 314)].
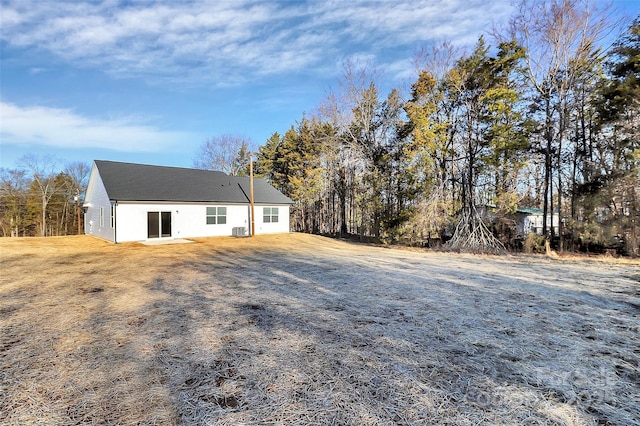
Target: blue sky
[(146, 81)]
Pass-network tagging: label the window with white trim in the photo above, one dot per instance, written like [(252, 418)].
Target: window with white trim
[(101, 217), (270, 215), (216, 215), (112, 216)]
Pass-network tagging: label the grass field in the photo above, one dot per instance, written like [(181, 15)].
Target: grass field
[(300, 329)]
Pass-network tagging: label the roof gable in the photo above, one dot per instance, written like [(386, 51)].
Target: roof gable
[(142, 182)]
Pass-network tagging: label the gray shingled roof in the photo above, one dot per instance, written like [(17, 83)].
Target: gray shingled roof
[(142, 182)]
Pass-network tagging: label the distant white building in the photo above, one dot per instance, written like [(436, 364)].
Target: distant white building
[(136, 202), (526, 220), (529, 220)]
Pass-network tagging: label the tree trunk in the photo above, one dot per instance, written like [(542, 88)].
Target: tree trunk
[(342, 196), (560, 233), (548, 136), (44, 216)]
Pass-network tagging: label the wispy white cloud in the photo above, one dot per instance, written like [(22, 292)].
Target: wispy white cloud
[(402, 70), (36, 70), (62, 128), (223, 42)]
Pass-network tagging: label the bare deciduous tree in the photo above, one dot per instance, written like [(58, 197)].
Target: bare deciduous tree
[(226, 153), (43, 171), (78, 173), (559, 37), (14, 185), (437, 59)]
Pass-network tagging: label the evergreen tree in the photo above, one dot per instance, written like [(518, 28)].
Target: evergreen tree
[(14, 220)]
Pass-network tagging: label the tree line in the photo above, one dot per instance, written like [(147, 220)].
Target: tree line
[(543, 118), (36, 199)]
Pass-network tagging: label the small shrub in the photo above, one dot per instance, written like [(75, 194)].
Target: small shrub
[(534, 243)]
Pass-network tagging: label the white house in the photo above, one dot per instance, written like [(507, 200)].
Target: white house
[(526, 220), (136, 202), (529, 220)]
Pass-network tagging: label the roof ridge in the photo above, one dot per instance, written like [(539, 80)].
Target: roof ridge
[(159, 166)]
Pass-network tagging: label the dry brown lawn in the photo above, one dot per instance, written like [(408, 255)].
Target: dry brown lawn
[(300, 329)]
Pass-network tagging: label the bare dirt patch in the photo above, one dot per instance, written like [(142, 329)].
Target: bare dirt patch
[(299, 329)]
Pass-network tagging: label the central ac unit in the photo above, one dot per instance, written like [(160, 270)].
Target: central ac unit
[(239, 231)]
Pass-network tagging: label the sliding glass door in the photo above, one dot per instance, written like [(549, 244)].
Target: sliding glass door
[(158, 224)]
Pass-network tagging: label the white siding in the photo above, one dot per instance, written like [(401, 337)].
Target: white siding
[(282, 226), (96, 199), (190, 220), (187, 220), (533, 223)]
